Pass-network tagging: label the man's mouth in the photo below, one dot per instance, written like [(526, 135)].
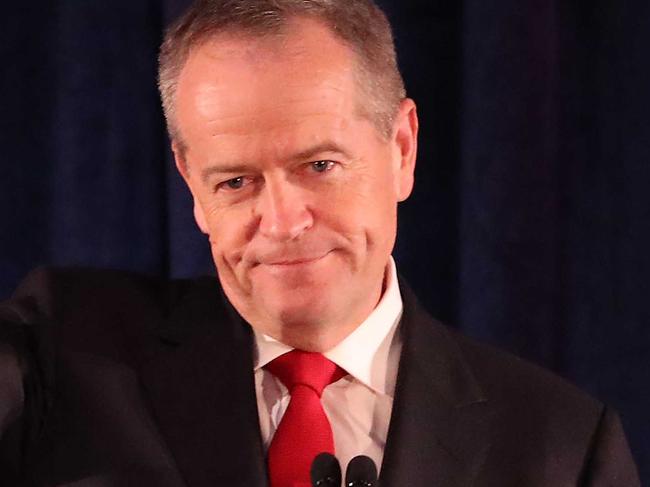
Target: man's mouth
[(288, 261)]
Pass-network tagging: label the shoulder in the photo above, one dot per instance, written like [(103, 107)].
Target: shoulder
[(539, 424), (538, 416), (535, 399), (505, 375), (53, 289), (97, 310), (65, 291), (505, 380)]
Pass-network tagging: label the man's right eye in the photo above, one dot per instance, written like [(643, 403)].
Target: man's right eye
[(232, 184), (235, 183)]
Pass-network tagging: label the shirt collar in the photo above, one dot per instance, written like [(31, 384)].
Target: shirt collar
[(366, 352)]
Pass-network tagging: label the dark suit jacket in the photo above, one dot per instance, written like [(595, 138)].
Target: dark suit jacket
[(114, 379)]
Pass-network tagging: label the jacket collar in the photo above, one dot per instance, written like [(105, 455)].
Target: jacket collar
[(438, 430)]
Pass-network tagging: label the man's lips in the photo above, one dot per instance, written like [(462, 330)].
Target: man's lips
[(287, 261)]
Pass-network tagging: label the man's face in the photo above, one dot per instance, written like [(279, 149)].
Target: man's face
[(297, 191)]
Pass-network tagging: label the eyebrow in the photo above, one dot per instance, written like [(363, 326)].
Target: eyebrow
[(327, 146), (321, 148)]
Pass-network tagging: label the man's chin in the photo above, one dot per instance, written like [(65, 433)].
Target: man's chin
[(298, 310)]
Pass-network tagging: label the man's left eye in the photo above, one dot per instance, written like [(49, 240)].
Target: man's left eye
[(322, 166)]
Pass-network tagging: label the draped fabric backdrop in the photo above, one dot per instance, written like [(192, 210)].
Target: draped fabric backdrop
[(528, 227)]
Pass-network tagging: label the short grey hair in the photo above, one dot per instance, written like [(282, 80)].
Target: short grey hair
[(360, 24)]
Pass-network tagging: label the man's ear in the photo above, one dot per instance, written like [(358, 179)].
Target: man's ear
[(183, 169), (405, 141)]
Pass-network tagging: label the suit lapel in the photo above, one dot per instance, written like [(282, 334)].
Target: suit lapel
[(438, 430), (202, 392)]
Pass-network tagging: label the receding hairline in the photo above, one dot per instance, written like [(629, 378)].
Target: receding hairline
[(360, 25), (281, 32), (270, 42)]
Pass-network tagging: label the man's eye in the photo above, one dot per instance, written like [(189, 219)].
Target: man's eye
[(235, 183), (322, 166), (232, 184)]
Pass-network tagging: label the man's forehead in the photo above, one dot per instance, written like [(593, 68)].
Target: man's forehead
[(260, 104), (232, 77)]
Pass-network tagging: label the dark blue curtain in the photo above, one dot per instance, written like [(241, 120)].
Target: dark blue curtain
[(529, 225)]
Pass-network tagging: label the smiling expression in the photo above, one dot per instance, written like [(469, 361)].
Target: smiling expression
[(296, 190)]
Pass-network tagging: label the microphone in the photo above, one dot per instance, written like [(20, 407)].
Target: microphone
[(325, 471), (361, 472)]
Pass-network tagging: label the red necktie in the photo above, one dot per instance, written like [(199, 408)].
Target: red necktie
[(304, 430)]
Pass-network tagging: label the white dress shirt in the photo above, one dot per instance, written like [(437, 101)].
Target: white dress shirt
[(359, 405)]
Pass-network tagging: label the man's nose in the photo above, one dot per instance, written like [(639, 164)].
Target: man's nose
[(283, 211)]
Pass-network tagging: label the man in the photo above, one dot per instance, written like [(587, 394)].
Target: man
[(290, 125)]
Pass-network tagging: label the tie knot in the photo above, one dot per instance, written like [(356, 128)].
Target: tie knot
[(310, 369)]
